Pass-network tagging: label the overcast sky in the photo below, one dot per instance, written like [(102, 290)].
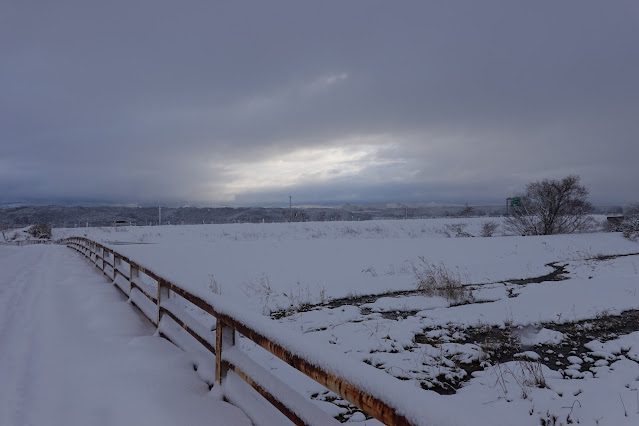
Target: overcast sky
[(236, 102)]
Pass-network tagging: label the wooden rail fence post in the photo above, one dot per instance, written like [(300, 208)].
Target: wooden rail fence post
[(163, 293), (104, 253), (133, 272), (224, 337), (116, 259)]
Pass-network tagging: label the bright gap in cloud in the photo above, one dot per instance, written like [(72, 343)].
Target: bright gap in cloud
[(349, 158)]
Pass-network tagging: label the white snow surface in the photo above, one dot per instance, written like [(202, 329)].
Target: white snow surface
[(253, 269), (74, 352), (274, 266), (543, 336)]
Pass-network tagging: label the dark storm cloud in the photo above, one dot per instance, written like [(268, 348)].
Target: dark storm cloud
[(158, 100)]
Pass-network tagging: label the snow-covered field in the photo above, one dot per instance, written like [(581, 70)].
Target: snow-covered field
[(310, 262), (516, 349)]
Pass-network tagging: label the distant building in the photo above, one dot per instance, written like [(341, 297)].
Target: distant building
[(614, 222)]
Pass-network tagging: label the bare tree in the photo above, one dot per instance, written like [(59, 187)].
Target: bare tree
[(551, 207), (41, 230), (467, 211)]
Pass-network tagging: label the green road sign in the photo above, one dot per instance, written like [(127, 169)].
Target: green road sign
[(515, 202)]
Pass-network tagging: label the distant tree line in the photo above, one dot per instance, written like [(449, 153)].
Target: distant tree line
[(63, 216)]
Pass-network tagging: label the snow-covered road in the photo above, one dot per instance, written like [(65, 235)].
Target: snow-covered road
[(74, 352)]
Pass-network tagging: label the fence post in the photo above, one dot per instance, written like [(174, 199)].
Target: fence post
[(163, 293), (115, 265), (224, 337), (103, 257), (132, 273)]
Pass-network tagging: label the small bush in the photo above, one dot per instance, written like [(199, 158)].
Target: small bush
[(3, 230), (457, 229), (299, 297), (260, 287), (630, 224), (438, 280), (467, 211), (41, 230), (489, 228), (631, 231), (530, 374)]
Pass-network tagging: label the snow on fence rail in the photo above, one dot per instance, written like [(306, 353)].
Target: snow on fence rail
[(376, 399)]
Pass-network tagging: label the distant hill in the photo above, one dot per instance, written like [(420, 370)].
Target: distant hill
[(62, 216), (71, 216)]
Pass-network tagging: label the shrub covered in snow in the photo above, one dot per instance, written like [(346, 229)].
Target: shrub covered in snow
[(489, 228), (41, 230), (4, 228), (630, 224)]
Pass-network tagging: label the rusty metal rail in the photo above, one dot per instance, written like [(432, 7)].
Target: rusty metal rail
[(110, 263)]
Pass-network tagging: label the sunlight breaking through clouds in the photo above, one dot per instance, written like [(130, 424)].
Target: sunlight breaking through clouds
[(351, 158), (210, 103)]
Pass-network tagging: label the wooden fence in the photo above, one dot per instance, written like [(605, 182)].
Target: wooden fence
[(221, 342)]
